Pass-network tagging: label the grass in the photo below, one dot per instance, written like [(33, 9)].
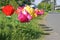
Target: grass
[(12, 29), (57, 10)]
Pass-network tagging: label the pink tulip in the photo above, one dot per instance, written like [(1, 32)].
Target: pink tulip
[(25, 12), (22, 18), (27, 15), (41, 12), (37, 11)]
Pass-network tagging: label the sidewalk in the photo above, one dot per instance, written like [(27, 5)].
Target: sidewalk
[(53, 21)]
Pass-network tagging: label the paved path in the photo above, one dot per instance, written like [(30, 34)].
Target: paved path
[(53, 21)]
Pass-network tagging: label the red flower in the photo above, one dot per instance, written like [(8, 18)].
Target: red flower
[(8, 10)]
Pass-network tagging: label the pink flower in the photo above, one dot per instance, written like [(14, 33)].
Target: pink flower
[(27, 15), (37, 11), (22, 18), (41, 12)]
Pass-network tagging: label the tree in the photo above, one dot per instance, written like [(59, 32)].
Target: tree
[(45, 6)]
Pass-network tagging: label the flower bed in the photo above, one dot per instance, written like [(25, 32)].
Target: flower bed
[(13, 28)]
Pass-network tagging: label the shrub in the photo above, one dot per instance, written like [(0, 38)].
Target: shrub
[(45, 6)]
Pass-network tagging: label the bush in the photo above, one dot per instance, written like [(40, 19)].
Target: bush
[(45, 6)]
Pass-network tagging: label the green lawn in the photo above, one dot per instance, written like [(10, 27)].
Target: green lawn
[(57, 10)]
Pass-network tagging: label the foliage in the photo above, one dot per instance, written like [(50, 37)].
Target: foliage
[(12, 29), (4, 2), (15, 3), (22, 2), (45, 6)]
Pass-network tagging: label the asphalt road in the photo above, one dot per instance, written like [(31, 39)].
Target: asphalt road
[(53, 21)]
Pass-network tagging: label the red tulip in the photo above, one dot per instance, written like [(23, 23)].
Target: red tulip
[(8, 10), (22, 18)]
